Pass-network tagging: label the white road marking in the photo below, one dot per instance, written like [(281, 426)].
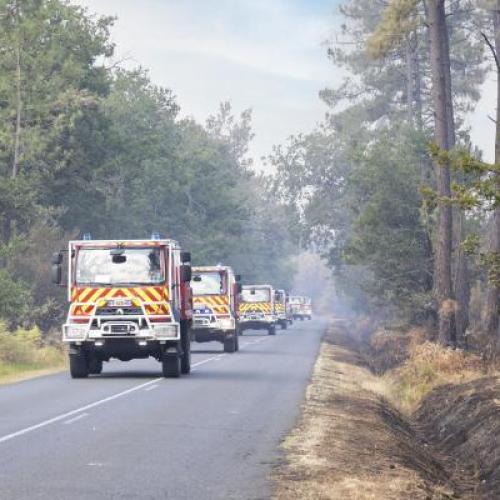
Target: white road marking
[(74, 419), (77, 411), (150, 388)]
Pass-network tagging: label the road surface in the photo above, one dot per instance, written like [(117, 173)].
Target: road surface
[(129, 434)]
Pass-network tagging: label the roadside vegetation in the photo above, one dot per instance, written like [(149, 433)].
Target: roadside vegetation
[(23, 352)]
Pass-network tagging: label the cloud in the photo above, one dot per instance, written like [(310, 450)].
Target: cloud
[(266, 55)]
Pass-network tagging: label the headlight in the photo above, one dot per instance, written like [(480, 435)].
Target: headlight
[(75, 332), (226, 324), (165, 331)]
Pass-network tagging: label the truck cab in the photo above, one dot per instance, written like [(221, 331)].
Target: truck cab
[(215, 304), (280, 300), (128, 299), (256, 309)]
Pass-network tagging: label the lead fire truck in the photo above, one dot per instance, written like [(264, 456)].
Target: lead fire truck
[(215, 305), (256, 309), (128, 299), (280, 306)]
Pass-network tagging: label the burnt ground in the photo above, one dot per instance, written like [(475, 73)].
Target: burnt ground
[(350, 443)]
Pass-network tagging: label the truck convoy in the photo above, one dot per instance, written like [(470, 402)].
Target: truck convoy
[(128, 299), (215, 305), (280, 306), (132, 299), (256, 308)]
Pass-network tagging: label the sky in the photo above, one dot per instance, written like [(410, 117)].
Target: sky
[(268, 55)]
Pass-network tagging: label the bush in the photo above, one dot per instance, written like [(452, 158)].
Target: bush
[(23, 349)]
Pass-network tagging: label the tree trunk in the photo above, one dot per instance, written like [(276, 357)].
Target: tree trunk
[(17, 132), (443, 288), (409, 80), (492, 307)]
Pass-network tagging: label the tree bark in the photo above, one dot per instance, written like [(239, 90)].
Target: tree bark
[(17, 131), (440, 93), (492, 307)]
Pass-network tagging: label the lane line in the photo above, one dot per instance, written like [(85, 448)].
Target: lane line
[(77, 411), (151, 387), (74, 419)]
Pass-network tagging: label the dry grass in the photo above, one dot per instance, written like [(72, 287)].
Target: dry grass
[(23, 354), (428, 366), (349, 444)]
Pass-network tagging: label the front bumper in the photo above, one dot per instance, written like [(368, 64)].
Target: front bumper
[(121, 329)]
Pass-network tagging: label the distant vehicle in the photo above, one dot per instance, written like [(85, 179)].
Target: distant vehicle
[(280, 302), (128, 299), (307, 308), (256, 309), (215, 303), (296, 302), (288, 309)]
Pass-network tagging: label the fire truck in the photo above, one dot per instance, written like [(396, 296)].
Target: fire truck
[(307, 308), (215, 304), (296, 302), (280, 304), (128, 299), (256, 308)]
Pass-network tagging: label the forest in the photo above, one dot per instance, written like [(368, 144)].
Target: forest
[(390, 188)]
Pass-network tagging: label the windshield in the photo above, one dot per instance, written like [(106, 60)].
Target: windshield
[(126, 266), (207, 283), (255, 295)]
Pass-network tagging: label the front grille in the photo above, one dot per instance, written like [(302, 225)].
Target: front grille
[(119, 311)]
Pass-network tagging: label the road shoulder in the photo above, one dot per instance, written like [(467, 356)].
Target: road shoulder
[(349, 442)]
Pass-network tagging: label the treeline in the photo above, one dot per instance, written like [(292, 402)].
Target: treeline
[(390, 187), (88, 147)]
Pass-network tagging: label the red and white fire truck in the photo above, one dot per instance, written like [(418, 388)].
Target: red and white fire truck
[(256, 309), (280, 305), (215, 304), (128, 299)]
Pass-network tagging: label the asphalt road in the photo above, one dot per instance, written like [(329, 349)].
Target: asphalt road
[(129, 434)]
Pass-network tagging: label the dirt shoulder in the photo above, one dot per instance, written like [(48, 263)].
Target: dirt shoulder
[(350, 443), (10, 375)]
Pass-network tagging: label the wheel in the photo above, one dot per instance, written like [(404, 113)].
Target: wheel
[(78, 366), (302, 318), (171, 365), (230, 343), (95, 366), (186, 350), (284, 325), (272, 330)]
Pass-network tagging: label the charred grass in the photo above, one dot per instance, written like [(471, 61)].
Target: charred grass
[(423, 424)]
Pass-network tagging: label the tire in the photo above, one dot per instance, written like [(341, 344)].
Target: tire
[(95, 366), (272, 330), (78, 366), (302, 318), (186, 350), (171, 366), (284, 325), (230, 343)]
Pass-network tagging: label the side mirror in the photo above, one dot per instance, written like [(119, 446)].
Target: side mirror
[(185, 257), (239, 287), (57, 258), (185, 272), (56, 274), (237, 277)]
